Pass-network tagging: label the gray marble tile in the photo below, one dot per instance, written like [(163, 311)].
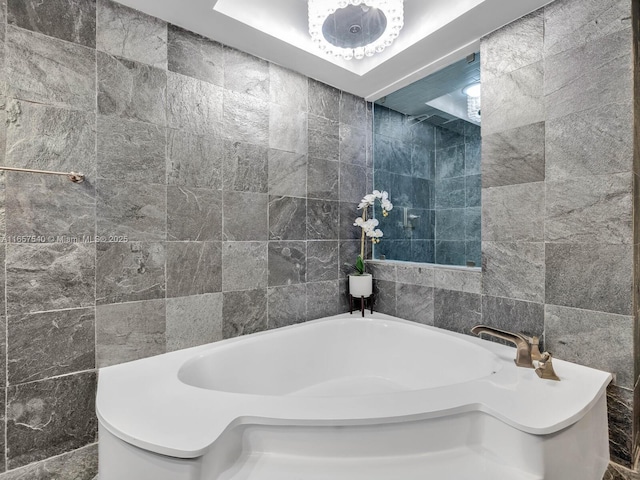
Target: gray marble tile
[(395, 155), (324, 138), (620, 416), (194, 160), (472, 223), (595, 339), (450, 161), (131, 34), (195, 56), (384, 297), (597, 141), (590, 276), (287, 218), (343, 295), (194, 105), (458, 280), (194, 214), (353, 111), (515, 316), (514, 156), (450, 224), (423, 161), (131, 90), (388, 271), (595, 209), (514, 46), (323, 299), (348, 252), (49, 344), (571, 24), (322, 178), (130, 331), (414, 275), (193, 268), (449, 135), (80, 464), (55, 276), (246, 118), (324, 101), (130, 150), (287, 305), (473, 191), (70, 20), (449, 193), (415, 302), (450, 252), (288, 88), (245, 216), (353, 145), (245, 167), (423, 251), (513, 213), (287, 263), (127, 272), (246, 74), (288, 129), (456, 311), (136, 211), (514, 99), (323, 219), (322, 260), (594, 74), (194, 320), (244, 265), (514, 270), (46, 70), (352, 183), (49, 207), (244, 312), (50, 417), (348, 214), (287, 173)]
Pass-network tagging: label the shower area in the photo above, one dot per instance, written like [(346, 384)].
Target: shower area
[(427, 156)]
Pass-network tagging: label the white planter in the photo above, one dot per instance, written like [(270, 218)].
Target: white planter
[(361, 285)]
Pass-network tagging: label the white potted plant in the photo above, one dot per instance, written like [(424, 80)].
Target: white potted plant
[(360, 283)]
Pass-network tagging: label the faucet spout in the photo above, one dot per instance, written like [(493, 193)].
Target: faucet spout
[(522, 343)]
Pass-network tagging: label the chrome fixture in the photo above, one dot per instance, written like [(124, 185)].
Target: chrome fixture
[(472, 92), (355, 28), (527, 348)]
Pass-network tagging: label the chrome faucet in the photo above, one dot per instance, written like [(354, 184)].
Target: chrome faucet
[(527, 348)]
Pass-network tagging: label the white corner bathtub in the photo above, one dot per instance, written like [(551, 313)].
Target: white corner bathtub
[(350, 398)]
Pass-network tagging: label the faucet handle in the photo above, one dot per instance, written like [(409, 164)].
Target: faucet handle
[(545, 368), (535, 348)]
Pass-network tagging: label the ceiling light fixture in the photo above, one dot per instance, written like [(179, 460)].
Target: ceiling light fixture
[(473, 101), (355, 28)]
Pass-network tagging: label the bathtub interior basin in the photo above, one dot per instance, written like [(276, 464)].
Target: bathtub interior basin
[(345, 357)]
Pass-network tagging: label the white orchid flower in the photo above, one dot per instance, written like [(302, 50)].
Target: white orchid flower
[(387, 205)]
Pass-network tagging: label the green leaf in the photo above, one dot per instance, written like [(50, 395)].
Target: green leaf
[(360, 265)]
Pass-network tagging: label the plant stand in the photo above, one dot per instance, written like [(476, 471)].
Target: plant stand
[(362, 303)]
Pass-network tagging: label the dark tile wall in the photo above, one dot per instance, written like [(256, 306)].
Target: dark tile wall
[(219, 201)]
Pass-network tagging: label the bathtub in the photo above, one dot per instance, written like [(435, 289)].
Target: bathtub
[(351, 398)]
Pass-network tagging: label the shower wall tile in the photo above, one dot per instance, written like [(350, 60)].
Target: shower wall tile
[(384, 297), (473, 193), (246, 118), (80, 464), (49, 71), (514, 46), (457, 311), (194, 160), (514, 270), (50, 417), (594, 74), (415, 275), (288, 88), (129, 271), (130, 150), (244, 312), (287, 218), (136, 211), (450, 224), (131, 34), (451, 252), (324, 100), (194, 320), (42, 277), (130, 331), (287, 305), (594, 209), (422, 161), (450, 193), (513, 213), (323, 219), (246, 74), (388, 271), (571, 24), (590, 276), (353, 111), (287, 263), (597, 141), (244, 265), (288, 129), (322, 260), (50, 344), (324, 138), (450, 161), (523, 106), (585, 337), (457, 280), (194, 56), (514, 156), (245, 216), (194, 105), (415, 303), (353, 145), (352, 183), (194, 214), (246, 167), (514, 315), (620, 410), (288, 173), (70, 20), (193, 268), (323, 299)]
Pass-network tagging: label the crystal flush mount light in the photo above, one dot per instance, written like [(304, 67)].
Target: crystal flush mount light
[(473, 101), (355, 28)]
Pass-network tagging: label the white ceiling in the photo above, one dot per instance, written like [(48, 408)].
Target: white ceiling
[(436, 34)]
